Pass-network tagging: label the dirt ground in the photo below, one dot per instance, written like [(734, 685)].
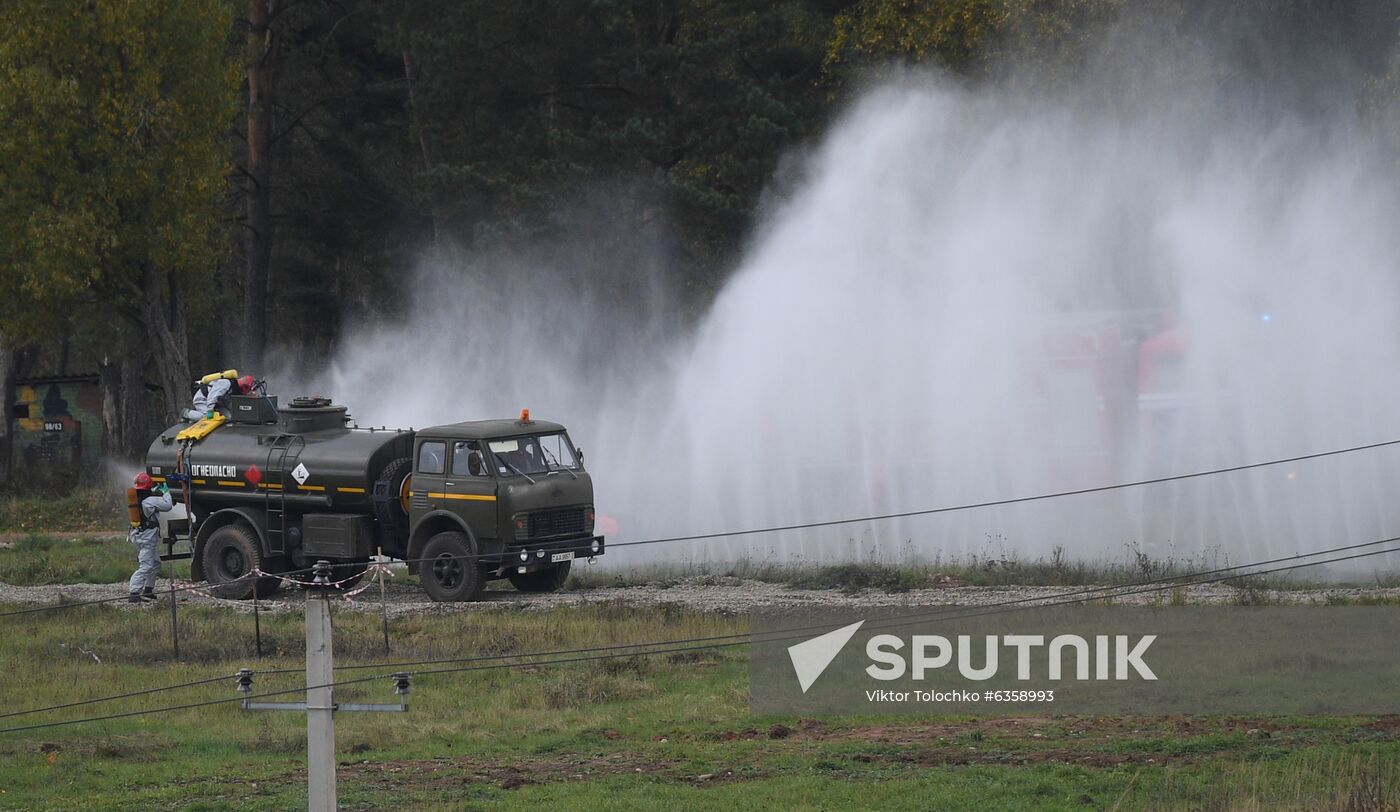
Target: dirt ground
[(703, 594)]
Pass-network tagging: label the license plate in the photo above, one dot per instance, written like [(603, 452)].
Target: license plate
[(557, 557)]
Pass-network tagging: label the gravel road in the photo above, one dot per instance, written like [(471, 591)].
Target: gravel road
[(723, 595)]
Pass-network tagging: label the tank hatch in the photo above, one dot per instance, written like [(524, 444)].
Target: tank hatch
[(306, 414)]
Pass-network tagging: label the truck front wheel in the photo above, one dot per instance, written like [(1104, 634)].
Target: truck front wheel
[(231, 553), (550, 580), (449, 570)]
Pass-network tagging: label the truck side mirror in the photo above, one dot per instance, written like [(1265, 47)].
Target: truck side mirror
[(579, 452), (476, 466)]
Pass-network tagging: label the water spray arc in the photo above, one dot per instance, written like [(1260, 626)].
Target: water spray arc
[(975, 294)]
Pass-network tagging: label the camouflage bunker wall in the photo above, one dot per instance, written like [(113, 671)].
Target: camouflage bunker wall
[(57, 429)]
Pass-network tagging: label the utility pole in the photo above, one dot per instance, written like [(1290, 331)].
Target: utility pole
[(320, 704)]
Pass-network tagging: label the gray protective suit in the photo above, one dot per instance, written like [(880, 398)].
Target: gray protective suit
[(147, 556), (206, 398)]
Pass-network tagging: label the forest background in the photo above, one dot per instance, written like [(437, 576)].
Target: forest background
[(190, 185)]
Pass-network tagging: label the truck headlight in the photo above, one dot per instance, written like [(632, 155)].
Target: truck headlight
[(524, 555)]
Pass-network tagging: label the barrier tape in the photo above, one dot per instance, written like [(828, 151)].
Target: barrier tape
[(189, 587), (368, 574), (372, 574)]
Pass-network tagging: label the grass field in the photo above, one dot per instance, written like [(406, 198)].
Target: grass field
[(636, 732), (89, 509), (33, 523), (36, 559), (626, 733), (1132, 565)]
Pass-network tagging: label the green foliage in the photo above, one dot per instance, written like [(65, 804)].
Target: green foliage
[(110, 160), (38, 560), (852, 578), (96, 509), (967, 35), (683, 108), (651, 128)]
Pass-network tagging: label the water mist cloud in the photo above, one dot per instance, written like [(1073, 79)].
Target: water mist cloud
[(975, 294)]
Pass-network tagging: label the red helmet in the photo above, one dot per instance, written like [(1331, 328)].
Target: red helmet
[(144, 481), (245, 384)]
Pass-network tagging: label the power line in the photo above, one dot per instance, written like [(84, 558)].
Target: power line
[(171, 590), (1094, 593), (892, 623), (53, 607), (836, 522), (1174, 580), (1018, 499), (786, 634), (186, 706), (895, 622), (1015, 500), (114, 697)]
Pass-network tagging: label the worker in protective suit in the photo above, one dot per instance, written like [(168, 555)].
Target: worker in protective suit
[(212, 395), (154, 499)]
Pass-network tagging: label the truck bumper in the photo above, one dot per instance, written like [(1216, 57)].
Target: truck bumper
[(538, 555)]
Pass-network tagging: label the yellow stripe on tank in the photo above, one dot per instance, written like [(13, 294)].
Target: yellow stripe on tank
[(351, 490), (312, 487), (229, 483), (475, 497)]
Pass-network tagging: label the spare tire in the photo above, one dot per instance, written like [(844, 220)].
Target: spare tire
[(390, 496)]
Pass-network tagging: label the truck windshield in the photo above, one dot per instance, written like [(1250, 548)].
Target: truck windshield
[(534, 454)]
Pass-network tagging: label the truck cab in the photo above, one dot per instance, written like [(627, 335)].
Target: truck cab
[(492, 499)]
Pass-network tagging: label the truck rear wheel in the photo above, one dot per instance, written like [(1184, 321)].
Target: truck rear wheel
[(231, 554), (449, 570), (550, 580)]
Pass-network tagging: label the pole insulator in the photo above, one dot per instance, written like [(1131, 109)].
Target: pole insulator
[(322, 571), (402, 682), (245, 680)]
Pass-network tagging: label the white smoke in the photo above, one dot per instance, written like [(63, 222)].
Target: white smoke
[(896, 339)]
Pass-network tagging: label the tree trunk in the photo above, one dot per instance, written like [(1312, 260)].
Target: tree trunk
[(162, 309), (125, 405), (425, 144), (258, 239), (6, 419)]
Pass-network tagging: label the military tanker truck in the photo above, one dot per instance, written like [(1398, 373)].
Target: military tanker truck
[(273, 490)]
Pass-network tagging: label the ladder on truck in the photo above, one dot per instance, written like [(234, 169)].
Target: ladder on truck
[(275, 499)]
